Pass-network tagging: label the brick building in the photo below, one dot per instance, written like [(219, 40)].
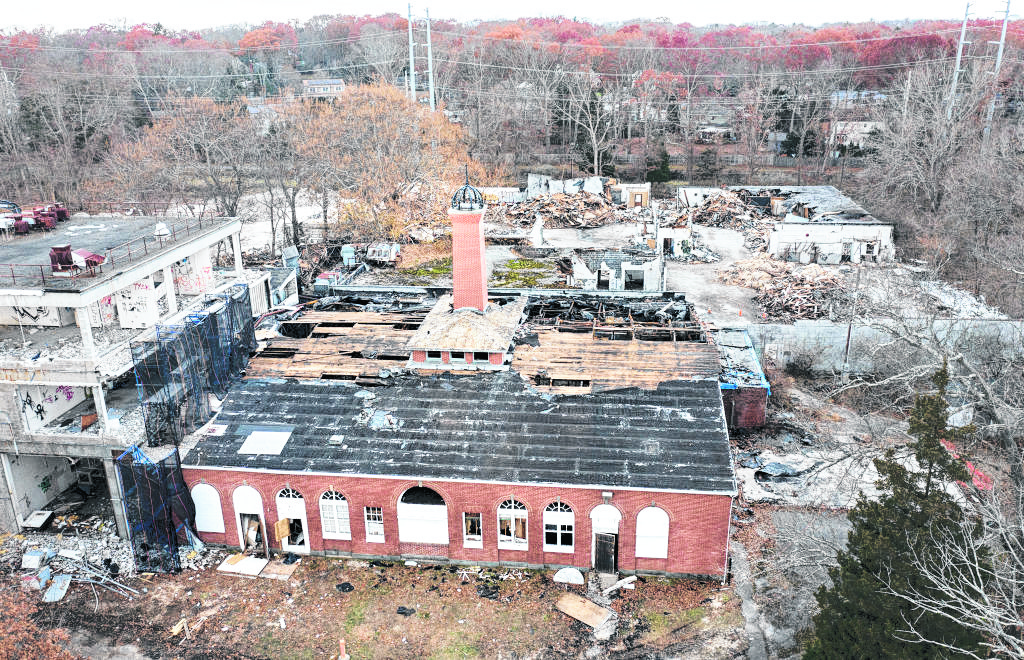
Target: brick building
[(519, 429)]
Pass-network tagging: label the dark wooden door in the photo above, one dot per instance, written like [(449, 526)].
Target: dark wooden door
[(605, 559)]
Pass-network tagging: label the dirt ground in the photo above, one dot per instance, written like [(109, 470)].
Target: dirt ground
[(306, 616), (723, 304)]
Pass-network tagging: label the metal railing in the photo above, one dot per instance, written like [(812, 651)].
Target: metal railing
[(136, 249)]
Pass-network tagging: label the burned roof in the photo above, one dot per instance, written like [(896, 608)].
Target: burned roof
[(485, 427)]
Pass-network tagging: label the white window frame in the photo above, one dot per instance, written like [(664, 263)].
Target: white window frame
[(334, 517), (472, 540), (428, 358), (373, 517), (513, 510), (651, 542), (559, 516)]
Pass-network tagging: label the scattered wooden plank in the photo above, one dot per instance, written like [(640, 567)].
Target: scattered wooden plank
[(583, 610)]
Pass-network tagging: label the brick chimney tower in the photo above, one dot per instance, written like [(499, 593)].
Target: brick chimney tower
[(469, 269)]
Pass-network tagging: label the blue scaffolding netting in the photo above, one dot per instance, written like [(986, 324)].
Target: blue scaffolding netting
[(178, 366), (158, 509)]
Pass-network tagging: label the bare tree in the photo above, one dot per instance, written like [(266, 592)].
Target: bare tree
[(975, 581)]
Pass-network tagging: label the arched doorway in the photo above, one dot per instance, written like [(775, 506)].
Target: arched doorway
[(604, 521), (422, 517), (249, 521), (292, 506)]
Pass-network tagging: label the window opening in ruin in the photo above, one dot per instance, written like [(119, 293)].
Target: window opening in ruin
[(480, 356), (472, 530), (512, 525), (374, 519)]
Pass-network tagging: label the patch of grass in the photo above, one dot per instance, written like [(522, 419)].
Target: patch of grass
[(355, 614), (515, 279), (430, 269), (662, 623), (456, 651), (527, 264)]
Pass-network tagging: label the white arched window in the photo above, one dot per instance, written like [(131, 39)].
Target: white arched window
[(291, 506), (334, 522), (512, 525), (209, 516), (652, 533), (559, 528)]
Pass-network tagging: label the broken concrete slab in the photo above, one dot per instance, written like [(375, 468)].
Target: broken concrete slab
[(583, 610), (568, 575)]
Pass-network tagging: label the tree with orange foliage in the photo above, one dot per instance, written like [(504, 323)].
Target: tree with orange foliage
[(396, 159), (20, 635)]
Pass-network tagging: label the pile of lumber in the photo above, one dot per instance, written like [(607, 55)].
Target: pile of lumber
[(726, 209), (789, 291), (578, 211)]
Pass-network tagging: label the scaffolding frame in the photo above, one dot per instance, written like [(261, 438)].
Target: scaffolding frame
[(178, 366), (158, 509)]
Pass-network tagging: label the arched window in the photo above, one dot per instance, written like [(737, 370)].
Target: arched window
[(209, 516), (512, 525), (291, 506), (422, 517), (652, 533), (559, 527), (334, 521)]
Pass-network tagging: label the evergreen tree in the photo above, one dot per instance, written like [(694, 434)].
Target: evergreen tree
[(859, 620)]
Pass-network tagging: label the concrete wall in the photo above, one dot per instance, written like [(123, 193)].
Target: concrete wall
[(41, 404), (37, 316), (194, 275), (827, 242), (824, 342), (37, 480), (137, 306), (698, 524)]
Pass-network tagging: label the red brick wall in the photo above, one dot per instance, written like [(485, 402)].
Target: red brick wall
[(469, 268), (419, 356), (745, 407), (698, 524), (496, 358)]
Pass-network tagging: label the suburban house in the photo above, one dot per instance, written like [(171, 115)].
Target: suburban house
[(521, 428)]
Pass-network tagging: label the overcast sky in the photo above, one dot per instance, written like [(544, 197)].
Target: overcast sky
[(197, 14)]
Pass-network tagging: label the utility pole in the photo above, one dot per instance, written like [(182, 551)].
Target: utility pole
[(430, 62), (995, 74), (412, 61), (956, 68)]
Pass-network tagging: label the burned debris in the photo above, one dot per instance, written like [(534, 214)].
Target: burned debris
[(787, 291)]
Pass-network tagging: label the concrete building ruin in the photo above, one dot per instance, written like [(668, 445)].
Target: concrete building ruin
[(71, 336), (812, 224)]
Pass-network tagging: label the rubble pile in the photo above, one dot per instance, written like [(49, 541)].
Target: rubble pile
[(728, 210), (789, 291), (560, 210)]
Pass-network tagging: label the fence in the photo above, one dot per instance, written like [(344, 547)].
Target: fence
[(13, 275)]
